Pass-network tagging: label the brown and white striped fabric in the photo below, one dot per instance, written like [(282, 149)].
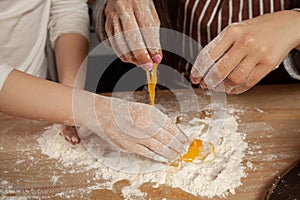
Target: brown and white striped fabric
[(203, 20)]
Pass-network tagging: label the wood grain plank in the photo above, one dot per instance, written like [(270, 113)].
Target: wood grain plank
[(270, 120)]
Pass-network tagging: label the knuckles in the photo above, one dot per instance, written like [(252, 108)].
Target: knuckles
[(248, 84), (118, 9), (248, 40), (234, 30), (119, 5), (234, 81), (270, 60)]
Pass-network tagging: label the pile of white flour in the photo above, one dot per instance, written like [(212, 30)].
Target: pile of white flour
[(218, 175)]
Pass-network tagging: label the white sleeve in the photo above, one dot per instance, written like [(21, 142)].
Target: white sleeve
[(4, 72), (68, 16)]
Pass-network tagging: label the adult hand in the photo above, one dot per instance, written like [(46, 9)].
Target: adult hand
[(132, 127), (246, 52), (133, 30)]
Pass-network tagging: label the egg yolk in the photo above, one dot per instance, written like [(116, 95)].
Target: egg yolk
[(197, 151), (193, 152), (196, 146), (152, 81)]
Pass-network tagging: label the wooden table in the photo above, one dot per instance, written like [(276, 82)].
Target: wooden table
[(271, 121)]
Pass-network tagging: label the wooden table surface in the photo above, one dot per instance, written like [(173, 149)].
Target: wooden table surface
[(271, 122)]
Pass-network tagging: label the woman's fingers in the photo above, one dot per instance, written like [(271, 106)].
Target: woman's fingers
[(135, 41), (149, 23), (127, 49), (256, 75), (210, 54), (136, 31), (224, 66), (117, 40), (263, 42), (240, 73)]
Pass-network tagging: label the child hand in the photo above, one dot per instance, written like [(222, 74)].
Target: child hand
[(133, 127)]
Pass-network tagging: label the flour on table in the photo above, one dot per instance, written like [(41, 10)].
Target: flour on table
[(129, 192), (218, 175), (13, 198), (54, 179)]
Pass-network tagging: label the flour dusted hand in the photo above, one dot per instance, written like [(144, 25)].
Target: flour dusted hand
[(133, 30), (70, 134), (130, 126), (140, 128), (246, 52)]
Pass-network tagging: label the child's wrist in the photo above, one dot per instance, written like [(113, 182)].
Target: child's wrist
[(83, 107)]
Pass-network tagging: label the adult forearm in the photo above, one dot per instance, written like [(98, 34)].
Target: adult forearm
[(27, 96), (70, 51)]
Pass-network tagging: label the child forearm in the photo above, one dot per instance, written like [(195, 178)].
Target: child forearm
[(70, 50), (27, 96)]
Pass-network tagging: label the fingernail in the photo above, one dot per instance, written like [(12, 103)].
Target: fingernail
[(75, 140), (194, 79), (157, 58), (148, 66)]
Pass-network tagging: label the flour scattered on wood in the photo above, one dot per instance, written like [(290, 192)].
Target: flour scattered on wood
[(129, 192), (54, 179), (218, 175)]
